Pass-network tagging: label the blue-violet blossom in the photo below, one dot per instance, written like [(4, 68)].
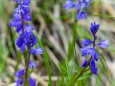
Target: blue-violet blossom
[(91, 50), (80, 6), (26, 39)]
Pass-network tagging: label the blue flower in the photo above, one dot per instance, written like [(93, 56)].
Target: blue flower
[(20, 73), (103, 44), (69, 4), (94, 68), (20, 43), (87, 51), (19, 82), (80, 5), (85, 63), (86, 42), (15, 23), (38, 51), (32, 64), (94, 28), (19, 28), (81, 15), (29, 39), (95, 56), (27, 17), (32, 82), (87, 2), (17, 13)]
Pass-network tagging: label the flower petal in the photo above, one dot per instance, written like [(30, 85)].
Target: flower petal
[(86, 42), (69, 4), (38, 51), (27, 17), (19, 27), (32, 64), (95, 57), (19, 82), (81, 15), (94, 28), (20, 73), (87, 51), (32, 82), (94, 68), (85, 63), (104, 44)]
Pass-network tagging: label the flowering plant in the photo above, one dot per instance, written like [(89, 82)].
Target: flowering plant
[(25, 41)]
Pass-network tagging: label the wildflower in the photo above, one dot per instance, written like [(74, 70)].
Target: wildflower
[(85, 63), (20, 73), (19, 82), (38, 51), (81, 15), (26, 39), (32, 82), (94, 28), (94, 68), (32, 64), (91, 50), (103, 44), (86, 42), (69, 4)]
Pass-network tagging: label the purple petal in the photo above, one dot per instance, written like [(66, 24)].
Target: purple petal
[(20, 73), (69, 4), (87, 51), (19, 82), (104, 44), (26, 10), (94, 28), (32, 82), (28, 28), (22, 48), (37, 51), (32, 64), (81, 15), (20, 41), (14, 23), (86, 42), (26, 3), (27, 17), (85, 63), (94, 68), (19, 27), (95, 57)]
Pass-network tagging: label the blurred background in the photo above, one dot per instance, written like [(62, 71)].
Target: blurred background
[(55, 27)]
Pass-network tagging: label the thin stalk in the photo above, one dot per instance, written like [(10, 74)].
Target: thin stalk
[(88, 61), (26, 70)]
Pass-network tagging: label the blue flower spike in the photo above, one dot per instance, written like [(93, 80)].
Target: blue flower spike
[(80, 6), (89, 48), (26, 40)]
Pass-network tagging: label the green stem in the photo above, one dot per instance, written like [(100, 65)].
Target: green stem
[(46, 57), (26, 70)]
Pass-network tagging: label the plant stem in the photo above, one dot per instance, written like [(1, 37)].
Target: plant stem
[(26, 70)]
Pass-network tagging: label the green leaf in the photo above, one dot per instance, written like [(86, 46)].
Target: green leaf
[(46, 58), (85, 76)]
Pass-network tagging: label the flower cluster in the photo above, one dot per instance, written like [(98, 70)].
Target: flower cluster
[(91, 50), (26, 39), (80, 6)]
